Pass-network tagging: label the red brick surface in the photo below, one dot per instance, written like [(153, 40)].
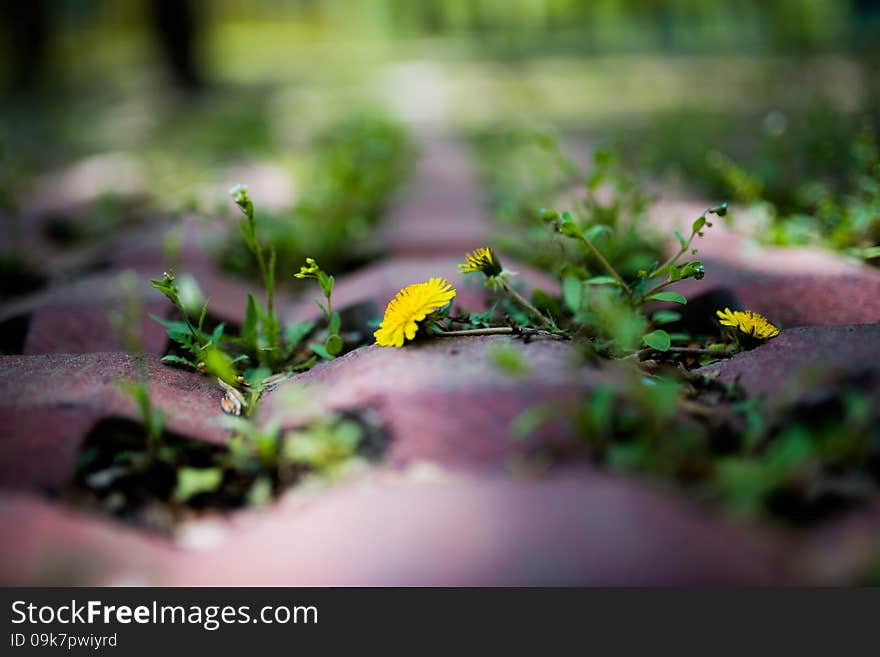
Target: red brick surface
[(802, 286), (443, 400), (800, 355), (49, 403), (413, 528), (444, 506)]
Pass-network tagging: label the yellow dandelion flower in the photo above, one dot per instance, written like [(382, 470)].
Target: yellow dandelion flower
[(748, 322), (482, 259), (411, 305)]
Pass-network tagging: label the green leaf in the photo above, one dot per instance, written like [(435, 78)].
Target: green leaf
[(691, 269), (601, 280), (141, 396), (681, 240), (249, 327), (248, 234), (600, 408), (658, 340), (217, 335), (294, 334), (260, 492), (548, 215), (202, 316), (335, 323), (157, 425), (218, 364), (667, 296), (270, 273), (334, 345), (665, 317), (572, 293), (569, 229), (171, 359), (592, 233), (508, 360), (193, 481), (602, 157), (627, 457), (595, 179), (169, 324), (530, 420), (178, 332), (321, 350), (302, 367), (698, 224), (674, 274)]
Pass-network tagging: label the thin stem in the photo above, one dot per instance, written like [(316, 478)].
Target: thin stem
[(672, 260), (261, 260), (607, 265), (516, 296), (497, 330), (688, 350), (657, 288), (681, 251)]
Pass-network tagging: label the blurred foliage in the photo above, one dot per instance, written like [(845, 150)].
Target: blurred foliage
[(515, 25), (357, 166), (810, 176), (156, 479), (263, 352), (606, 254), (842, 214), (770, 156), (527, 169), (797, 458)]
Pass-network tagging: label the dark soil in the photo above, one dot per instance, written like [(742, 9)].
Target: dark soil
[(117, 474)]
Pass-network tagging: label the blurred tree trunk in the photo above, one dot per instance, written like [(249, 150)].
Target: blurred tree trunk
[(176, 24), (27, 34), (866, 28)]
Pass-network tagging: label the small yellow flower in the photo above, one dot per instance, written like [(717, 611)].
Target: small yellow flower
[(482, 259), (411, 305), (748, 322), (308, 270)]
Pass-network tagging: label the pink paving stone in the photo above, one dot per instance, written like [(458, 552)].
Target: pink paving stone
[(73, 317), (443, 209), (49, 403), (568, 528), (442, 400), (843, 551), (44, 542), (380, 282), (60, 261), (198, 238), (87, 330), (800, 355), (803, 286), (412, 528)]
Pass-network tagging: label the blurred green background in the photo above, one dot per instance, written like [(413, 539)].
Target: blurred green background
[(174, 101)]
